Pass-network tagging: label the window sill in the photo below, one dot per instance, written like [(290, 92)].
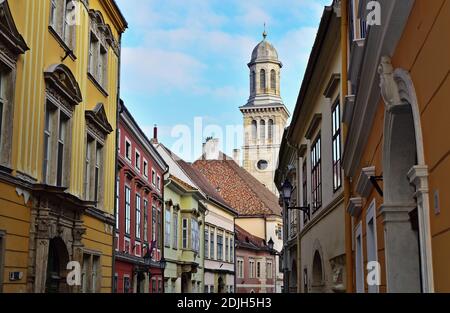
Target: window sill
[(97, 84), (66, 48)]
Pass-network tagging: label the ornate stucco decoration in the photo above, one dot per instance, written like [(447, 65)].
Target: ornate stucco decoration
[(102, 30), (62, 85), (97, 122), (389, 86)]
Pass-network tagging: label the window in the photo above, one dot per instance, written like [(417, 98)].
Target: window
[(240, 268), (251, 268), (62, 20), (227, 249), (138, 216), (269, 268), (211, 244), (91, 273), (195, 235), (207, 241), (145, 220), (128, 150), (160, 217), (185, 233), (305, 188), (97, 171), (262, 129), (154, 224), (270, 129), (254, 130), (98, 60), (118, 140), (316, 175), (220, 245), (137, 248), (231, 249), (253, 81), (153, 177), (158, 182), (145, 168), (168, 217), (126, 245), (273, 80), (127, 210), (137, 160), (359, 260), (262, 80), (115, 283), (336, 139), (117, 202), (56, 132), (279, 232), (154, 285), (175, 230), (126, 284), (258, 269)]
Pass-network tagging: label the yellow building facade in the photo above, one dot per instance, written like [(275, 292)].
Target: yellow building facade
[(59, 66)]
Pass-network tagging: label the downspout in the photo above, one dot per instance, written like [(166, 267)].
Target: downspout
[(347, 184), (116, 175)]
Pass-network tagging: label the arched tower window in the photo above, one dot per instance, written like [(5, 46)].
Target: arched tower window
[(253, 81), (273, 80), (254, 130), (262, 80), (262, 125), (270, 129)]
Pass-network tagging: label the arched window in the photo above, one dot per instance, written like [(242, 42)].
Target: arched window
[(253, 81), (262, 125), (273, 80), (262, 80), (270, 129), (254, 130)]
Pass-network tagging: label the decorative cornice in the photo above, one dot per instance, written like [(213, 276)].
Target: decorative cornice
[(364, 185), (60, 78), (333, 83), (354, 207), (315, 122), (99, 120)]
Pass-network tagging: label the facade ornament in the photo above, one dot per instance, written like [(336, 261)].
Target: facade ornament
[(388, 85)]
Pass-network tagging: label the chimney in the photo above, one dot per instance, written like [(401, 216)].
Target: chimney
[(155, 134), (237, 156), (211, 149)]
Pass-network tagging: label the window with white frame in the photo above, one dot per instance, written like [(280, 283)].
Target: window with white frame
[(175, 230), (100, 40), (240, 268), (206, 241), (359, 260), (126, 284), (195, 235), (168, 218), (127, 210), (63, 19), (137, 249), (336, 140), (227, 248), (184, 235), (138, 216), (137, 160), (128, 149), (371, 230), (154, 224), (212, 243), (118, 139), (269, 269), (232, 248), (145, 168), (145, 220), (126, 245), (220, 245), (153, 177), (93, 170), (251, 267), (57, 134), (316, 174), (258, 269), (158, 182), (91, 273)]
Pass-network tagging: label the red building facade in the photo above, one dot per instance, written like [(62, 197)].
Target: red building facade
[(255, 264), (139, 206)]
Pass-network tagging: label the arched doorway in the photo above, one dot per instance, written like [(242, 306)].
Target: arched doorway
[(58, 258), (317, 272), (406, 205)]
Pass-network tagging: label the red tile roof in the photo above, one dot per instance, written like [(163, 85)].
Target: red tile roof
[(239, 188), (246, 240)]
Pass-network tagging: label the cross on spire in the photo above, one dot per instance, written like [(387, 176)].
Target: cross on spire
[(264, 33)]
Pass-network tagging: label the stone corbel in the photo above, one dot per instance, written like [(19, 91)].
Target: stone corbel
[(418, 177), (389, 87), (355, 206)]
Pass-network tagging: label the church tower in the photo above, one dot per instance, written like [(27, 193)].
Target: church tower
[(265, 115)]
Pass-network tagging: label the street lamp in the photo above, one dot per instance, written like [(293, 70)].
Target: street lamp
[(286, 190)]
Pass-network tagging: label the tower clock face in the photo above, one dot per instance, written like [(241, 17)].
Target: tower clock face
[(262, 165)]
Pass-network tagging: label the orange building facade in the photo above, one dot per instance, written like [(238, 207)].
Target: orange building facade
[(397, 152)]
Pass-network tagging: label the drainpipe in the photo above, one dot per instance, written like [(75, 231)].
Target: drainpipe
[(347, 185), (116, 163)]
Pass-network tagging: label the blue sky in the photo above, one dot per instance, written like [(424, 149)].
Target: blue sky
[(187, 59)]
